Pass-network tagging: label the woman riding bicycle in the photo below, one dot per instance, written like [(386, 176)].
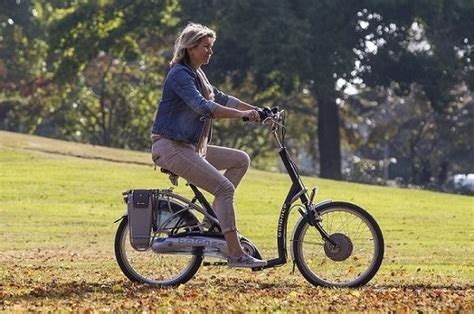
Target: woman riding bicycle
[(182, 129)]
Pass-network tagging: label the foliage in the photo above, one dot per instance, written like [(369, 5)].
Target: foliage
[(79, 33), (103, 65), (407, 139), (111, 54), (427, 43), (323, 44), (22, 69), (92, 71)]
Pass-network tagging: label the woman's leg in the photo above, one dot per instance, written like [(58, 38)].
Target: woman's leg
[(183, 160), (235, 162)]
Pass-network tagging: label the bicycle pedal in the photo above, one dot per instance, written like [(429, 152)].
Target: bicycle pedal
[(214, 264)]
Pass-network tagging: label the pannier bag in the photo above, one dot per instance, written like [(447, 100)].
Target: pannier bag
[(139, 203)]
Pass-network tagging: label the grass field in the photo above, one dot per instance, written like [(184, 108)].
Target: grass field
[(58, 202)]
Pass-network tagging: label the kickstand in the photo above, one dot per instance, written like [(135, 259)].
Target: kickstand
[(293, 270)]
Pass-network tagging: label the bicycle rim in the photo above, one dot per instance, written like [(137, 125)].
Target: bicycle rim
[(356, 258), (153, 268)]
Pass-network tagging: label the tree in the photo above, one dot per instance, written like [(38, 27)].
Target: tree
[(22, 73), (424, 50), (406, 138), (325, 42), (110, 57), (107, 59)]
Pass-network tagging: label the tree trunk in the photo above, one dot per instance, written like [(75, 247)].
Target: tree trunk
[(329, 138)]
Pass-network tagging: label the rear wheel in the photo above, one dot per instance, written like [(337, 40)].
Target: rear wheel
[(152, 268), (353, 260)]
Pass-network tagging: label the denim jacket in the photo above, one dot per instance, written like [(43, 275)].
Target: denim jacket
[(183, 109)]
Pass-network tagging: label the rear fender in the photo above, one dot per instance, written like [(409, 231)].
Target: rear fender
[(125, 214)]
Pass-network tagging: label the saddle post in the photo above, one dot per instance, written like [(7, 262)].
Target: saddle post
[(198, 195)]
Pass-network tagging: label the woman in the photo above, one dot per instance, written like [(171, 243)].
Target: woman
[(182, 128)]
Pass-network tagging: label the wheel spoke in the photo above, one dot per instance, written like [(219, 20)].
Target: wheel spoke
[(153, 268), (313, 242), (353, 261)]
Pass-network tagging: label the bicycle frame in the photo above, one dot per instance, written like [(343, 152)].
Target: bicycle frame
[(178, 228), (297, 191)]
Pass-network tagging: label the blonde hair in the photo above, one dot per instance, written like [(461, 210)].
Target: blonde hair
[(189, 37)]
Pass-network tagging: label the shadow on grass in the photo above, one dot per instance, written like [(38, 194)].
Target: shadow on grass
[(85, 156), (78, 290), (54, 290), (415, 286)]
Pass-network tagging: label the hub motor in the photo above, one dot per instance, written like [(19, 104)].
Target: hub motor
[(342, 250)]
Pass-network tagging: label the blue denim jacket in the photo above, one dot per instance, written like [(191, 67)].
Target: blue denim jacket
[(183, 109)]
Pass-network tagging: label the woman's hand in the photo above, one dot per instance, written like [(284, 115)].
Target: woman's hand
[(223, 112), (251, 115)]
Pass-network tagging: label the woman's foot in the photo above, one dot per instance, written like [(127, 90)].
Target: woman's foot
[(245, 261)]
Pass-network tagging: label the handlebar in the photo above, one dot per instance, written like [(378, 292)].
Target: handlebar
[(275, 119), (266, 113)]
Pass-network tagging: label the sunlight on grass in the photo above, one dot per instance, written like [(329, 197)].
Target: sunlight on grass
[(58, 213)]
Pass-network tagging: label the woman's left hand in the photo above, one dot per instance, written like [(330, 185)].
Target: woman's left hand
[(251, 115)]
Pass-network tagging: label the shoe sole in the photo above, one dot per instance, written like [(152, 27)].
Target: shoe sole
[(246, 265)]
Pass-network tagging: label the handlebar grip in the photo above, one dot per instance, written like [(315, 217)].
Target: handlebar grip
[(264, 113)]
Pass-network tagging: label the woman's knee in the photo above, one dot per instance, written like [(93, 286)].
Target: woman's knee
[(225, 189), (244, 160)]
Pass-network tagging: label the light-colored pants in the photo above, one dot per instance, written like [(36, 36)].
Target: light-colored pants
[(183, 160)]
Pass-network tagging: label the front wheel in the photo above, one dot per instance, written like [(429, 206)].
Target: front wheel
[(353, 260)]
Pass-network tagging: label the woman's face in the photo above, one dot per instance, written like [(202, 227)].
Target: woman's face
[(201, 54)]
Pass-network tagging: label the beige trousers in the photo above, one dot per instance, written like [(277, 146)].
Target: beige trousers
[(183, 160)]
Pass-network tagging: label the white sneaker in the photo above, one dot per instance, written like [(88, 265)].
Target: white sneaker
[(245, 261)]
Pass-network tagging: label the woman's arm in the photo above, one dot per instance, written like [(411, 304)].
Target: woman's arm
[(244, 106), (184, 87), (231, 101), (223, 112)]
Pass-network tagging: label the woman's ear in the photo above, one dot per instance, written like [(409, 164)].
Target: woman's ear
[(189, 50)]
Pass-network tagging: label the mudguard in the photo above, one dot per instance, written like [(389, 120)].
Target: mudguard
[(319, 206)]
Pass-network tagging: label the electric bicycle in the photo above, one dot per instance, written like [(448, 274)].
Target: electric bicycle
[(334, 243)]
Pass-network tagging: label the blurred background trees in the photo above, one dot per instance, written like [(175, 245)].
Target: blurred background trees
[(375, 90)]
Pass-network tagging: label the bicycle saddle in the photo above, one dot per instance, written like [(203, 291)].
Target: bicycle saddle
[(172, 176), (166, 171)]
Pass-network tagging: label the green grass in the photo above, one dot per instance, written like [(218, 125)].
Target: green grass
[(57, 213)]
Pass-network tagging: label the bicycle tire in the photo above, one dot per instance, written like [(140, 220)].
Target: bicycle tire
[(149, 267), (325, 265)]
